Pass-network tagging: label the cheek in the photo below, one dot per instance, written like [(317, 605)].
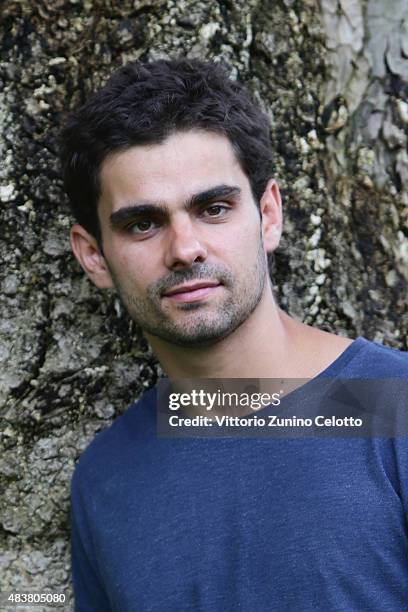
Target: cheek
[(134, 271), (244, 243)]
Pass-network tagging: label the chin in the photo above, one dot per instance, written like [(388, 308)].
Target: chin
[(208, 337)]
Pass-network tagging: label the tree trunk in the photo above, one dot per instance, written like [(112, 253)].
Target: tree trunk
[(333, 77)]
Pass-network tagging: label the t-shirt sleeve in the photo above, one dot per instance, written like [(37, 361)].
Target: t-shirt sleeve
[(89, 593), (401, 454)]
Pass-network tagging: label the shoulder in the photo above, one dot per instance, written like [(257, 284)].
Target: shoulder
[(116, 441), (367, 359)]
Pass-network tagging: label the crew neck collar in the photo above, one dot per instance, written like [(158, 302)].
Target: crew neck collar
[(337, 366)]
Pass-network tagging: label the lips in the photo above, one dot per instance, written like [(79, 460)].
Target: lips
[(192, 292), (188, 288)]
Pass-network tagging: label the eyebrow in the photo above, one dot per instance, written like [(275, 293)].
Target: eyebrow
[(119, 218)]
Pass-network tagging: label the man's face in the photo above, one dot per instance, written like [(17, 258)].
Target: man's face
[(182, 237)]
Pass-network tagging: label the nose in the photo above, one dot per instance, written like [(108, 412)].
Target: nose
[(184, 246)]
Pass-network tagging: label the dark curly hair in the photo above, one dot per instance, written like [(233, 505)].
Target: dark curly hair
[(143, 103)]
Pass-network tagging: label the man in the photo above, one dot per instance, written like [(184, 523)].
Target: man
[(169, 173)]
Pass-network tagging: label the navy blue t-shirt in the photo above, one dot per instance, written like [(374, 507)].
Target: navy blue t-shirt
[(238, 524)]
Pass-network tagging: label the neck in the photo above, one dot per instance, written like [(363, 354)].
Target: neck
[(264, 346)]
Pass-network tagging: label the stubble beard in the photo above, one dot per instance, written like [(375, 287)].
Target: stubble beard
[(209, 323)]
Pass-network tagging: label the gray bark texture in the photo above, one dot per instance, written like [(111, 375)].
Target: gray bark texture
[(333, 78)]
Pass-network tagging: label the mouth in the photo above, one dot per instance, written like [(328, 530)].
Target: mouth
[(193, 291)]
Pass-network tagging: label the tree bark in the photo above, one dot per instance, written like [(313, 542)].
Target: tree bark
[(333, 78)]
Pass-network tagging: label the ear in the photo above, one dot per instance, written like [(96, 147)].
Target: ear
[(87, 252), (271, 214)]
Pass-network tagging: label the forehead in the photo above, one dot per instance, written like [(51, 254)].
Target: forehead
[(184, 164)]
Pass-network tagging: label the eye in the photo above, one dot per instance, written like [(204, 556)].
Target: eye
[(215, 210), (141, 227)]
